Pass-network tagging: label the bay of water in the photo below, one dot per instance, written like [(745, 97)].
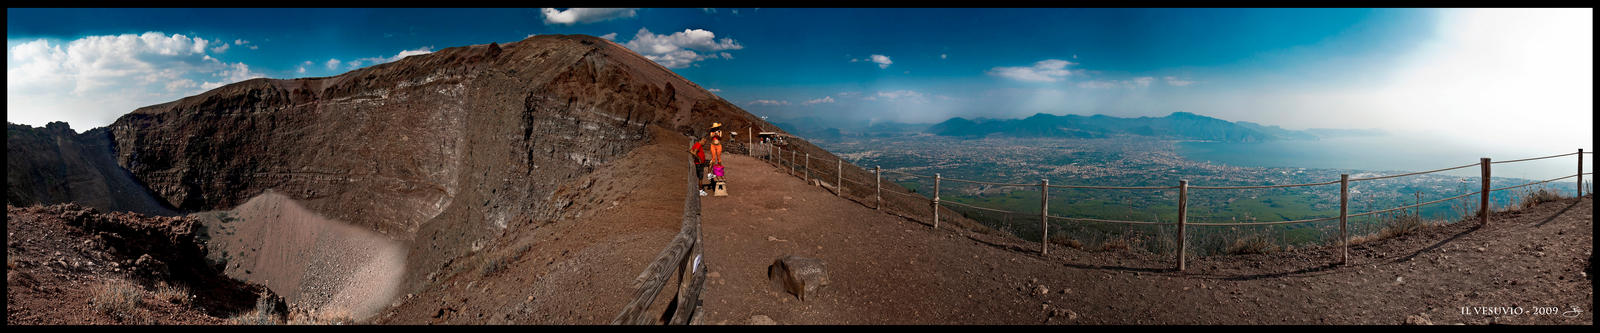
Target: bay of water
[(1385, 153)]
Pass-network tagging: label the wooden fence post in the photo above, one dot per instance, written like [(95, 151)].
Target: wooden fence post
[(1483, 205), (1044, 216), (877, 183), (1183, 218), (1344, 202), (936, 179), (791, 162), (838, 184)]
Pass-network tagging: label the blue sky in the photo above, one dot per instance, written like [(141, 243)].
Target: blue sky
[(1434, 71)]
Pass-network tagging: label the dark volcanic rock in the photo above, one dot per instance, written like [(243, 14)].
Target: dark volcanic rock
[(800, 276), (52, 164)]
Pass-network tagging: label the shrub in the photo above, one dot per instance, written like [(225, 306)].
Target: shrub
[(1252, 244), (265, 313), (1534, 198), (117, 298), (172, 294)]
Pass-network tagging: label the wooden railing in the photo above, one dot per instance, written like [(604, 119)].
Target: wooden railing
[(793, 159), (681, 258)]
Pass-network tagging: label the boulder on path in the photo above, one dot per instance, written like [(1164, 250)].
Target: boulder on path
[(797, 275)]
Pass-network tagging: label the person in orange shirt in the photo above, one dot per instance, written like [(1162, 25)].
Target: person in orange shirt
[(716, 143)]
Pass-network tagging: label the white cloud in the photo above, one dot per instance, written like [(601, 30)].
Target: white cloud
[(610, 36), (714, 90), (824, 99), (584, 15), (1143, 81), (332, 64), (363, 62), (220, 49), (240, 42), (768, 102), (302, 68), (1138, 82), (233, 73), (709, 10), (882, 60), (90, 81), (680, 49), (1176, 82), (1048, 70), (899, 95), (944, 56)]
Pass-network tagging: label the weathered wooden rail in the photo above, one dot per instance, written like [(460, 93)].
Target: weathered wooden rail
[(775, 155), (682, 257)]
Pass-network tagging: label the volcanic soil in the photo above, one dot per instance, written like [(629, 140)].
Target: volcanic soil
[(885, 269)]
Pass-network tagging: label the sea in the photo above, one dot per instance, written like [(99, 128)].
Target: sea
[(1387, 153)]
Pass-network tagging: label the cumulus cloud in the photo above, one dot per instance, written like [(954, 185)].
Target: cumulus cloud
[(90, 81), (944, 56), (302, 68), (332, 64), (714, 90), (768, 102), (882, 60), (220, 49), (1048, 70), (824, 99), (1176, 82), (584, 15), (362, 62), (680, 49), (610, 36)]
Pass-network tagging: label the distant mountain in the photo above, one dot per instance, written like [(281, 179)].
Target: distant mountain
[(1178, 125), (818, 128)]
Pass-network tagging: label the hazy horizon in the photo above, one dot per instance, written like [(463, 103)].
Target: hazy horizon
[(1491, 78)]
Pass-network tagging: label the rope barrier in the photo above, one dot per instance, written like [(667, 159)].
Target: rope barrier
[(907, 194), (1115, 187), (1320, 219), (986, 183), (908, 174), (1534, 158), (1416, 205), (1260, 186), (976, 207), (1106, 221), (1415, 173), (1533, 183)]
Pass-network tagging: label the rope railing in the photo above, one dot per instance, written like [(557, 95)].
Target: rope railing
[(1106, 221), (1114, 187), (976, 207), (1415, 205), (1533, 183), (1183, 188), (987, 183), (1413, 173), (1533, 158), (1261, 186)]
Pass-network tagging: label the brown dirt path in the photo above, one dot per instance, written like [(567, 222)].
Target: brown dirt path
[(888, 270)]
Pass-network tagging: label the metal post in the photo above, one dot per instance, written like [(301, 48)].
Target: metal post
[(808, 167), (1344, 213), (791, 162), (1183, 219), (1580, 172), (751, 137), (936, 178), (838, 190), (1044, 216), (877, 183), (1483, 205)]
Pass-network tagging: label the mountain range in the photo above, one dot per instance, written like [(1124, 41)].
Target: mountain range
[(1178, 126)]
